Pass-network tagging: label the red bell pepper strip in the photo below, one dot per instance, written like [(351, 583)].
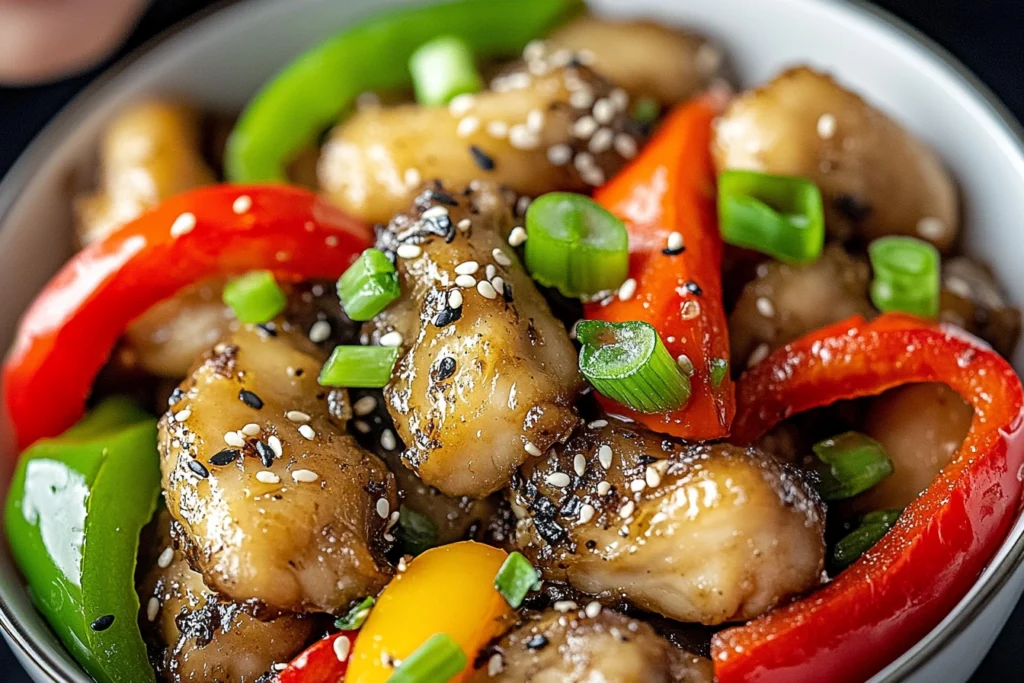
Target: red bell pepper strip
[(319, 663), (68, 332), (903, 586), (670, 188)]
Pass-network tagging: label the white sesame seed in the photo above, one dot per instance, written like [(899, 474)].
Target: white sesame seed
[(305, 476), (361, 426), (241, 204), (392, 338), (625, 145), (585, 57), (582, 98), (497, 129), (251, 429), (579, 464), (534, 120), (708, 59), (408, 251), (364, 406), (183, 224), (383, 507), (603, 488), (584, 127), (675, 241), (275, 445), (434, 212), (592, 609), (685, 364), (152, 609), (765, 306), (627, 509), (535, 49), (320, 331), (758, 355), (500, 257), (565, 606), (486, 290), (637, 485), (182, 415), (412, 177), (267, 477), (559, 154), (467, 268), (604, 111), (531, 449), (604, 456), (587, 512), (689, 309), (342, 646), (517, 236), (627, 289), (601, 141), (598, 424), (454, 298), (826, 126), (495, 665), (280, 666), (652, 476), (520, 137), (592, 176), (297, 416), (619, 98), (465, 281), (467, 126), (387, 440), (234, 439), (461, 104), (307, 432), (559, 479), (931, 228), (499, 285), (165, 559), (490, 271), (464, 224)]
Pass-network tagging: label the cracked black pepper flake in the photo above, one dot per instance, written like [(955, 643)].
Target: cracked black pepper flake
[(225, 457), (250, 399), (446, 316), (198, 469), (266, 453), (481, 158)]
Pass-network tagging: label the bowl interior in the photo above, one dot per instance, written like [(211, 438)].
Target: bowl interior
[(219, 61)]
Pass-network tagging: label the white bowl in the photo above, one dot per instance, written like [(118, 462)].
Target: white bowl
[(220, 60)]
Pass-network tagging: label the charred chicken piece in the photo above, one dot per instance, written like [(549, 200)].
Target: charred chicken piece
[(703, 533), (488, 374), (275, 502)]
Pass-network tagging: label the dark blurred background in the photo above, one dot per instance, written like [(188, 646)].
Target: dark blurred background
[(984, 34)]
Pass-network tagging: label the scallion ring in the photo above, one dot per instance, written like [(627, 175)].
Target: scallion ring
[(443, 68), (515, 579), (575, 245), (780, 216), (368, 286), (435, 661), (851, 463), (359, 367), (628, 362), (255, 297), (356, 616), (873, 526), (906, 275)]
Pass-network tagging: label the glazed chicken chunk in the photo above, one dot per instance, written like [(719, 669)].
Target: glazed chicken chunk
[(488, 374), (275, 502), (698, 533), (202, 639), (556, 647)]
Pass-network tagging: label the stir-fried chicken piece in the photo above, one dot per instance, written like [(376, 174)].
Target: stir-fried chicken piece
[(785, 302), (201, 639), (574, 647), (972, 298), (149, 152), (553, 126), (702, 533), (276, 503), (488, 375)]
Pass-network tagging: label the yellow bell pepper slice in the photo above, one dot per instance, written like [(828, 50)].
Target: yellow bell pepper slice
[(449, 589)]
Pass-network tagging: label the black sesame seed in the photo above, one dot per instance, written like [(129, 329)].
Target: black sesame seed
[(507, 293), (673, 252), (447, 316), (250, 399), (269, 329), (443, 198), (102, 623), (266, 453), (198, 469), (298, 372), (481, 158), (694, 288), (175, 396), (591, 544), (444, 369), (225, 457), (537, 642)]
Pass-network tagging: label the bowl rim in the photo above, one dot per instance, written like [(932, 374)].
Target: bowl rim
[(50, 136)]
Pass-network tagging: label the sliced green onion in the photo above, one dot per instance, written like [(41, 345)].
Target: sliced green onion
[(368, 286), (515, 579), (646, 110), (359, 367), (906, 275), (442, 69), (356, 616), (435, 661), (719, 369), (780, 216), (872, 527), (416, 531), (255, 297), (851, 463), (575, 244), (628, 362)]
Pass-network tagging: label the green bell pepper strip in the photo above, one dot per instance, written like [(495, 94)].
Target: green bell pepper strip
[(309, 94), (75, 509)]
